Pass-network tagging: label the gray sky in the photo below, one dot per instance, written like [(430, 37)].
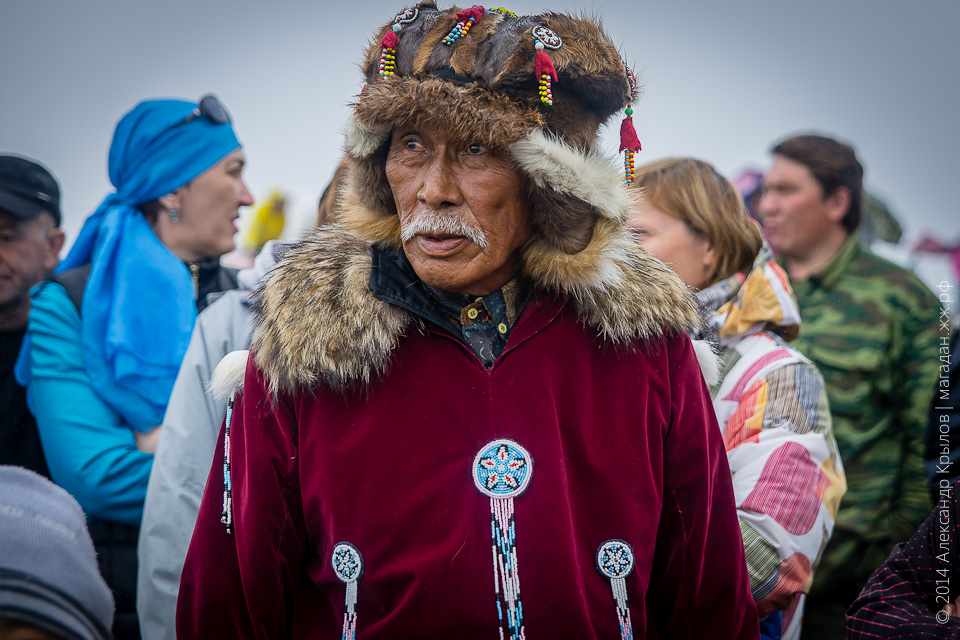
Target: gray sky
[(722, 80)]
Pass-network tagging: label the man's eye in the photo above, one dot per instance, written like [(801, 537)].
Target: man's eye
[(413, 144), (476, 149)]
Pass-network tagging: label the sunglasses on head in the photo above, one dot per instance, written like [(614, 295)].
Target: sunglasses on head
[(211, 107)]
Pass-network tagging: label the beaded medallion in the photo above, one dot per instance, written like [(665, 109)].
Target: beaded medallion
[(549, 38), (502, 470), (348, 566), (615, 561)]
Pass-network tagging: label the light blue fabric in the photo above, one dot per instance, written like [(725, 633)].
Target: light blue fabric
[(90, 450), (138, 305)]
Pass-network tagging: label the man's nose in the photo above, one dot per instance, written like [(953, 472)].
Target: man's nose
[(440, 187)]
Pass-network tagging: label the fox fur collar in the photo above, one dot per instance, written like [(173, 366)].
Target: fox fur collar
[(319, 323)]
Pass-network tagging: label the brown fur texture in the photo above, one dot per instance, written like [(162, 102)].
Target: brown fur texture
[(320, 324)]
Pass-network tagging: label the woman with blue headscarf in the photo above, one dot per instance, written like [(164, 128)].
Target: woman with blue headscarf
[(108, 333)]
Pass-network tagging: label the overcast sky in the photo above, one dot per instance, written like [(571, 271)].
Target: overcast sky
[(723, 81)]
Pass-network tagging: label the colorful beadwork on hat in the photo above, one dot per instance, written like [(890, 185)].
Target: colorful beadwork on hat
[(348, 566), (502, 470), (502, 11), (226, 517), (465, 20), (629, 142), (615, 561), (543, 39), (391, 40)]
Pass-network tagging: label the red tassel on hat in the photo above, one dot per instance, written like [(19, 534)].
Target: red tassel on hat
[(390, 40), (465, 20), (545, 71), (629, 142), (388, 55)]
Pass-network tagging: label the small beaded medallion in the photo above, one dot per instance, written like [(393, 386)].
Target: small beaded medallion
[(226, 517), (391, 40), (615, 561), (544, 39), (465, 20), (502, 470), (348, 566)]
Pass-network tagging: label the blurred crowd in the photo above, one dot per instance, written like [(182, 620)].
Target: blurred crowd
[(188, 449)]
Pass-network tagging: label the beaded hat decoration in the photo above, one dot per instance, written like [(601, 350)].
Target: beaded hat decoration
[(468, 73), (348, 567), (544, 39), (615, 561), (502, 470), (390, 40), (629, 142), (465, 20)]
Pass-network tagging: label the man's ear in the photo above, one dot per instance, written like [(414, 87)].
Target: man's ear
[(54, 242), (838, 203)]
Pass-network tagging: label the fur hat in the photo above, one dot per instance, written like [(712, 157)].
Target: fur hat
[(485, 86)]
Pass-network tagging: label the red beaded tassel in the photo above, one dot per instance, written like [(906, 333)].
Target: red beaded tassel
[(545, 73), (388, 57), (465, 20), (629, 142)]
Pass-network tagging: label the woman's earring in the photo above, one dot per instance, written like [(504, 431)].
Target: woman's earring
[(173, 214)]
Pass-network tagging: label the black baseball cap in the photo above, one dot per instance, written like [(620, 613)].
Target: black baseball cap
[(27, 188)]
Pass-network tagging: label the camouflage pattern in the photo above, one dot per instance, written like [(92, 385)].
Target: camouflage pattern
[(870, 326)]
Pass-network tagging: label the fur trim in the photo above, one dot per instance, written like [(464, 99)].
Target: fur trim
[(619, 288), (320, 324), (465, 112), (709, 361), (227, 379), (589, 177), (318, 320), (361, 141)]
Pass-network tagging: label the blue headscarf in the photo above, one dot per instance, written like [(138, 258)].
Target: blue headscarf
[(139, 304)]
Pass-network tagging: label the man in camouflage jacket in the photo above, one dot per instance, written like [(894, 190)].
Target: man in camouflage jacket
[(870, 326)]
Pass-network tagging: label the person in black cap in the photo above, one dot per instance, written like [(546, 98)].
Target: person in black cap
[(30, 242)]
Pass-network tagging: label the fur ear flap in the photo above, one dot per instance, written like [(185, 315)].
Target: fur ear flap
[(571, 172), (361, 140), (227, 378)]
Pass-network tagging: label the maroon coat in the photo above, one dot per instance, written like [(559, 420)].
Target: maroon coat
[(625, 445)]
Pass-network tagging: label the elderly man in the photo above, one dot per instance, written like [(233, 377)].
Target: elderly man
[(30, 242), (471, 409)]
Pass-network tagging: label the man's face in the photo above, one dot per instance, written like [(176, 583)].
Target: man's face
[(28, 249), (794, 212), (463, 212)]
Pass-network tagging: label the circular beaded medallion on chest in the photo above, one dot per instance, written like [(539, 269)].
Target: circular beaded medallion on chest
[(502, 469), (549, 39), (615, 559), (407, 16), (347, 563)]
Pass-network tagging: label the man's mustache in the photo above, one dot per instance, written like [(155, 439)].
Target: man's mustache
[(430, 222)]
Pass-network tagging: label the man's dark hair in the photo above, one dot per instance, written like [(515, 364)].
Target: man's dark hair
[(833, 165)]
